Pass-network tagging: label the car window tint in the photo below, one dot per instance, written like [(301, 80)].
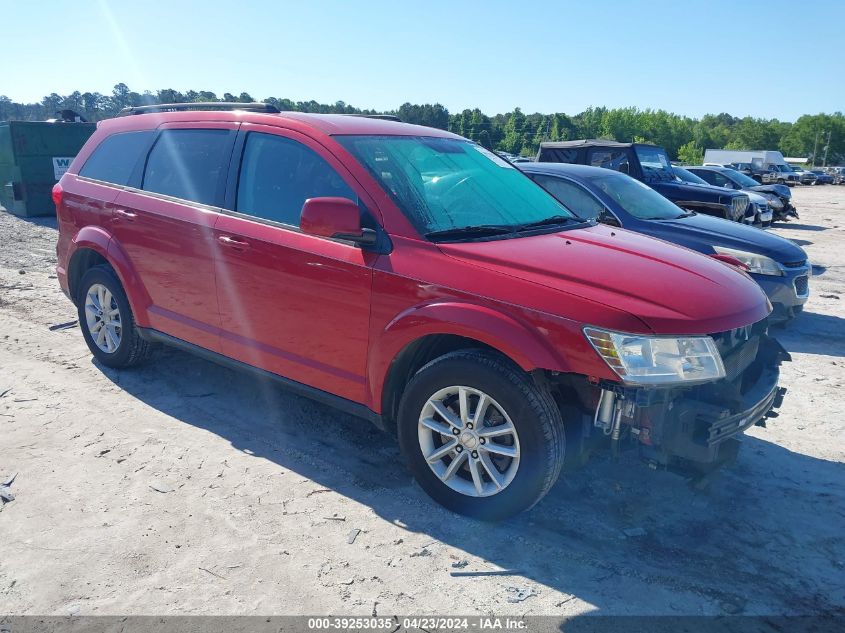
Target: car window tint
[(558, 155), (719, 180), (573, 197), (278, 175), (116, 157), (187, 164), (609, 159), (707, 175)]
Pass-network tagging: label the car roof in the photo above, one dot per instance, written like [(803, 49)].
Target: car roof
[(709, 168), (589, 142), (566, 169), (329, 124)]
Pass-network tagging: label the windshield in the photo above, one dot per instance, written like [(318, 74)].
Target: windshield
[(740, 178), (654, 162), (636, 198), (446, 184), (688, 176)]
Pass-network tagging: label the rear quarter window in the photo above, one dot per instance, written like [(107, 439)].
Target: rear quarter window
[(116, 157)]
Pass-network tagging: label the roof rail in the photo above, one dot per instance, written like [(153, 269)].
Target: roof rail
[(201, 105), (384, 117)]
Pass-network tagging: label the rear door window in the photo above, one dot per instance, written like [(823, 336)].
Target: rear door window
[(279, 174), (189, 164), (609, 159), (707, 176), (719, 180), (114, 160)]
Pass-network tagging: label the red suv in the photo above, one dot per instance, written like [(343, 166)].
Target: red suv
[(412, 277)]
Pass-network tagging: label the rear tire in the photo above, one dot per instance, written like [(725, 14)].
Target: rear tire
[(526, 461), (106, 320)]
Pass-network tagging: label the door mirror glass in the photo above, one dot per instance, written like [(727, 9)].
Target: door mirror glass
[(337, 218), (606, 217)]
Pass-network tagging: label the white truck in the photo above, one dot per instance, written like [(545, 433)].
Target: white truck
[(765, 166)]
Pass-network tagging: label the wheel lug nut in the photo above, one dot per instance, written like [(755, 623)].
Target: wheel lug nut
[(482, 440), (459, 448), (475, 454), (469, 425), (456, 432)]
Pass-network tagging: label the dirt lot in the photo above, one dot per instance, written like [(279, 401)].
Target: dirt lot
[(184, 488)]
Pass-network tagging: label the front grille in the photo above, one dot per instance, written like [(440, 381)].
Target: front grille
[(800, 264), (738, 206), (739, 360), (739, 347), (802, 285)]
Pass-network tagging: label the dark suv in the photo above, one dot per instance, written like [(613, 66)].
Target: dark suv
[(409, 276), (649, 164)]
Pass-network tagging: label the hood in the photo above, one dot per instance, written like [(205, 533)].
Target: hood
[(703, 232), (780, 190), (756, 198), (680, 190), (671, 289)]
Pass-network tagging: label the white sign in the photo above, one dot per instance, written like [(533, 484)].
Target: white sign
[(60, 165)]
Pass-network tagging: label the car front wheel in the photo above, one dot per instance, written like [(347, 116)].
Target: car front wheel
[(479, 435)]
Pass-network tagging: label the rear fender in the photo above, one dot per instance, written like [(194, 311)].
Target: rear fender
[(100, 241)]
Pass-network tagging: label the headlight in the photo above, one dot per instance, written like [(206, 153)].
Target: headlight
[(658, 360), (756, 263), (774, 202)]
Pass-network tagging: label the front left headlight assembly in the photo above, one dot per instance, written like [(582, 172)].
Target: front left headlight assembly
[(755, 262), (774, 202), (658, 360)]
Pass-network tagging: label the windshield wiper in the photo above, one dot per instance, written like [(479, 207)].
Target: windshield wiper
[(551, 221), (478, 230)]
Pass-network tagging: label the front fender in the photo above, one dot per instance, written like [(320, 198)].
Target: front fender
[(508, 334)]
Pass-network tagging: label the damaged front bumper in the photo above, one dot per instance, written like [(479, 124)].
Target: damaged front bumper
[(700, 427)]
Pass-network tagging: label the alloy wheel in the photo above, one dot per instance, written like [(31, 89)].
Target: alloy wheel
[(469, 441), (102, 316)]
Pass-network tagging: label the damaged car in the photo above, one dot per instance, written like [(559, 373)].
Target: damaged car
[(409, 276)]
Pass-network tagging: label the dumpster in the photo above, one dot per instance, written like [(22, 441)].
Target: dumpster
[(33, 156)]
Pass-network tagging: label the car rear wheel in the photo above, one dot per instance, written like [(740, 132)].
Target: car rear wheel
[(479, 435), (107, 322)]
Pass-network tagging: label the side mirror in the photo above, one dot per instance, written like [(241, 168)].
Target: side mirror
[(338, 218), (606, 217)]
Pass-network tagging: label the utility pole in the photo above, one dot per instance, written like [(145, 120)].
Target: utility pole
[(826, 147), (815, 147)]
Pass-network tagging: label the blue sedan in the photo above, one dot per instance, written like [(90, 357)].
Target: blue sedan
[(777, 264)]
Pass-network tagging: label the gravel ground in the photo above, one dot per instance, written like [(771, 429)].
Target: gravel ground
[(183, 488)]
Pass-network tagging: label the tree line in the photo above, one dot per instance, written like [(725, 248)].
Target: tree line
[(685, 138)]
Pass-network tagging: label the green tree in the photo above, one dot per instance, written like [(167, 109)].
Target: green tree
[(691, 154)]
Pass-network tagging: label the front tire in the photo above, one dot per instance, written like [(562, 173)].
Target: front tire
[(106, 319), (479, 435)]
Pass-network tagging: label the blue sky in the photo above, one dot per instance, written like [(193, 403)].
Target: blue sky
[(772, 59)]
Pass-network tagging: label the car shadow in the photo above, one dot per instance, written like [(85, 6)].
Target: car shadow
[(813, 333), (800, 227), (738, 542)]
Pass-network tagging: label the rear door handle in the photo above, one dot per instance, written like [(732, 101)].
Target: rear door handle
[(233, 243), (126, 215)]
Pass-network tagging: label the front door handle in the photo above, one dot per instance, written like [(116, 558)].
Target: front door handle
[(233, 243), (126, 215)]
